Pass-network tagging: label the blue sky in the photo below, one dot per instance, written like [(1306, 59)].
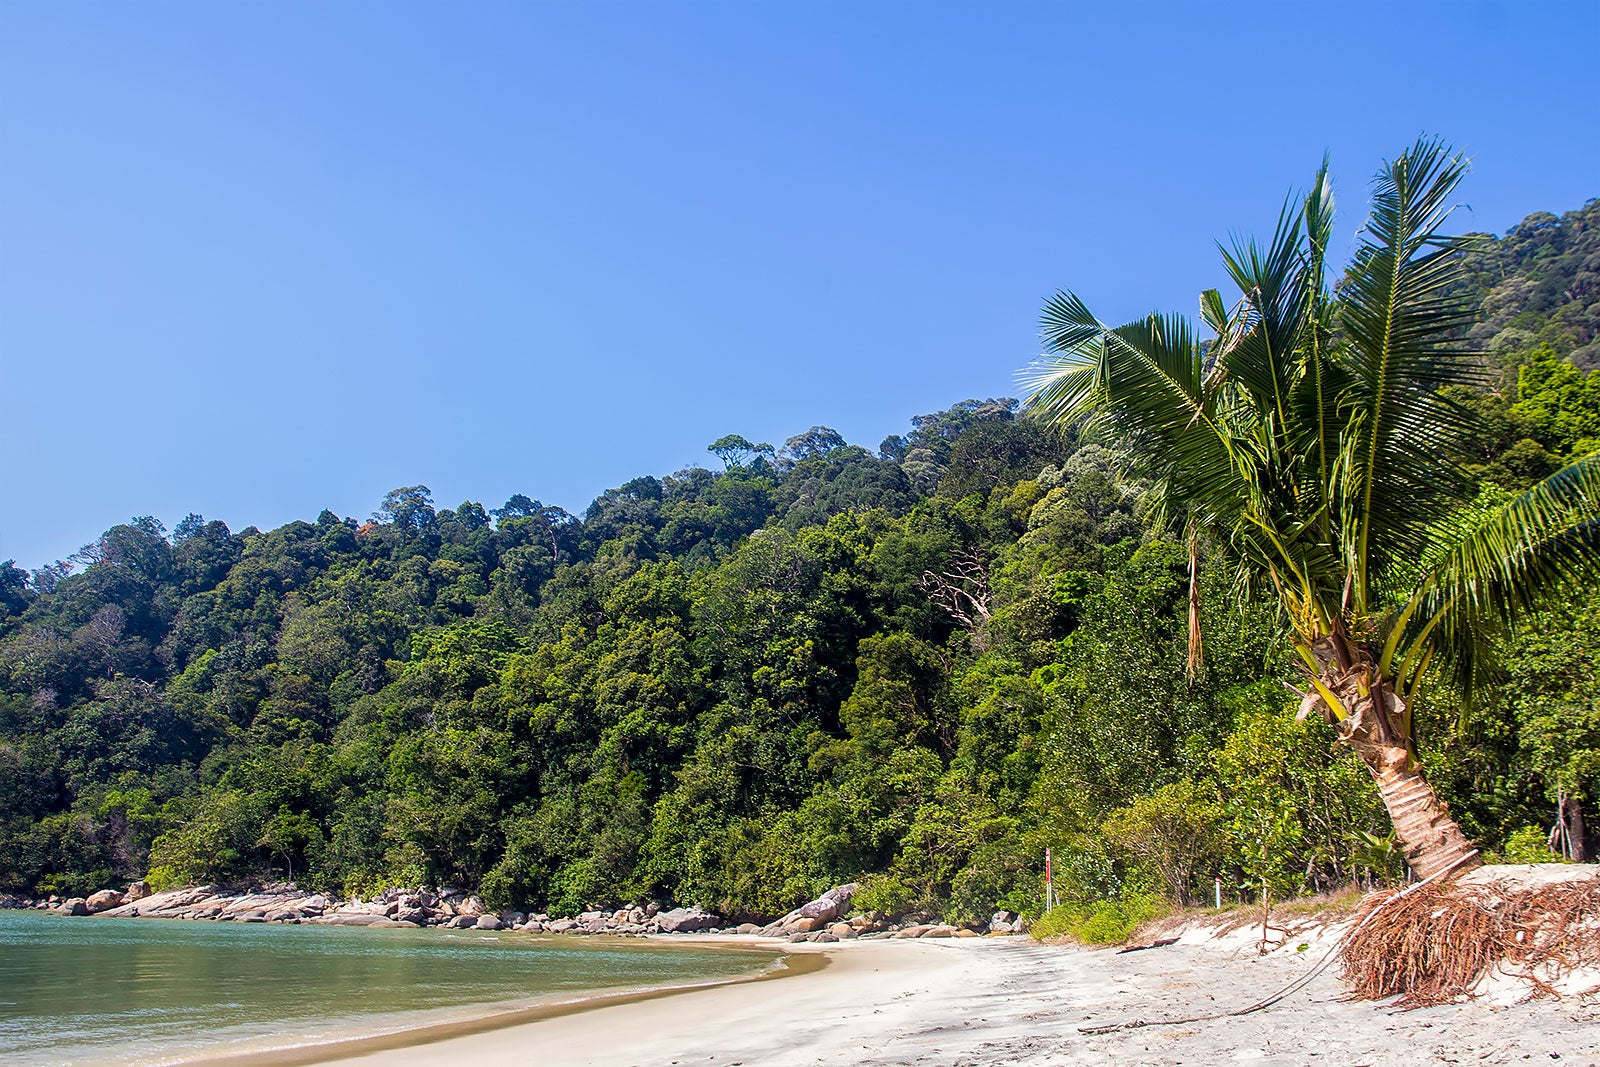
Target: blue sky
[(259, 260)]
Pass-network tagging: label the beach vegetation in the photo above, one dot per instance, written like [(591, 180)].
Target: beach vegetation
[(916, 667)]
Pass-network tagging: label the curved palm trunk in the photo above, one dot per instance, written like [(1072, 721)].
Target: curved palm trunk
[(1379, 729)]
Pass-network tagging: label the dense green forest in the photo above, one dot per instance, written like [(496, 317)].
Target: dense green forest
[(916, 668)]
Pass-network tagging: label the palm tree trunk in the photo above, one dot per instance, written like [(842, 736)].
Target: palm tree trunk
[(1379, 729), (1428, 837)]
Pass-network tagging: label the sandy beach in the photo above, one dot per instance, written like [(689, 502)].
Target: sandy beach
[(1014, 1001)]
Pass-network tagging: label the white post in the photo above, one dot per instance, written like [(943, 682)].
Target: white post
[(1219, 892)]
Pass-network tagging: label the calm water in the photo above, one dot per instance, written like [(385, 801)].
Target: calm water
[(151, 991)]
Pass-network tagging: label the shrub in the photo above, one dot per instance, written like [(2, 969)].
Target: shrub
[(1098, 922)]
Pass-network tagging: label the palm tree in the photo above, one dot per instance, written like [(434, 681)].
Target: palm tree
[(1311, 443)]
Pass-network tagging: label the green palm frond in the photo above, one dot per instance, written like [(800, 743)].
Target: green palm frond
[(1401, 316), (1537, 546)]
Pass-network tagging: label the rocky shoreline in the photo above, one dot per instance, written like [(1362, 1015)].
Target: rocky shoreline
[(828, 918)]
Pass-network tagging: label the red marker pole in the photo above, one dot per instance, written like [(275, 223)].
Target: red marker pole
[(1049, 882)]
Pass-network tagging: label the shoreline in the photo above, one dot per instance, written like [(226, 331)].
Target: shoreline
[(1013, 1001), (788, 964)]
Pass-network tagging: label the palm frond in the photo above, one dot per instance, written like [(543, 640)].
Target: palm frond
[(1400, 316), (1500, 566)]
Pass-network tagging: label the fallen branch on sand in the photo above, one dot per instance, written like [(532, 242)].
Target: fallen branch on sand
[(1437, 945)]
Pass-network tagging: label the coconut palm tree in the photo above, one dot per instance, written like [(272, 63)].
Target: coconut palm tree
[(1310, 442)]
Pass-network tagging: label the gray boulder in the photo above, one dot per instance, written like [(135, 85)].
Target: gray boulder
[(488, 922), (105, 900), (137, 891), (75, 906), (686, 920)]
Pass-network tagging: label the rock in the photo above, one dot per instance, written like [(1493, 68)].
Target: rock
[(829, 906), (796, 938), (283, 915), (596, 926), (916, 930), (966, 933), (1001, 922), (105, 900), (686, 920), (563, 926), (939, 931), (471, 906), (824, 937), (842, 930), (593, 916), (412, 915), (316, 904), (460, 922), (748, 928), (75, 906), (512, 918), (351, 918), (488, 922), (804, 925), (137, 891)]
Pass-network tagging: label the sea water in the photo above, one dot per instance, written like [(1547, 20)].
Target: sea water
[(156, 991)]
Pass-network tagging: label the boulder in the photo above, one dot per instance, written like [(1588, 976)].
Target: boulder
[(842, 930), (460, 922), (803, 925), (350, 918), (488, 922), (748, 928), (686, 920), (412, 915), (75, 906), (471, 906), (824, 936), (829, 906), (966, 933), (563, 926), (105, 900), (512, 918), (137, 891), (939, 931)]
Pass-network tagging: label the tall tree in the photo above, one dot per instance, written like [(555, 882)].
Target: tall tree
[(1311, 441)]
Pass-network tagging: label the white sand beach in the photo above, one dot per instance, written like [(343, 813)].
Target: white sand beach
[(1005, 1001)]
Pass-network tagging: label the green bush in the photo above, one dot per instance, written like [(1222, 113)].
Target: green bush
[(1098, 922), (1527, 845)]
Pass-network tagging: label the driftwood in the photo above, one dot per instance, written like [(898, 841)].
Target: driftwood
[(1161, 943)]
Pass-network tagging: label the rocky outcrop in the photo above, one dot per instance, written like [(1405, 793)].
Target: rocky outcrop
[(826, 919)]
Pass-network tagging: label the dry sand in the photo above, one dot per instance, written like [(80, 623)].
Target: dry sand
[(1010, 1001)]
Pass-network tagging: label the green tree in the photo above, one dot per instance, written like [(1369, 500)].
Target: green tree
[(1310, 441)]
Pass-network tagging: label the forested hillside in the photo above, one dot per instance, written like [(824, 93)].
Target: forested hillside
[(915, 667)]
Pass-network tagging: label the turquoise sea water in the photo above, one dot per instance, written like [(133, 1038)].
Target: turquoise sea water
[(153, 991)]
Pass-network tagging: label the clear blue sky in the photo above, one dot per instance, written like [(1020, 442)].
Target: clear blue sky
[(261, 259)]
